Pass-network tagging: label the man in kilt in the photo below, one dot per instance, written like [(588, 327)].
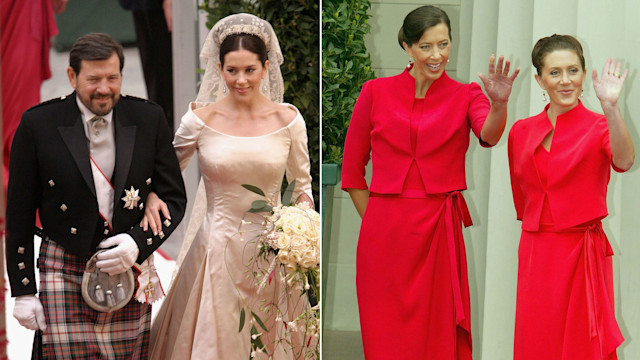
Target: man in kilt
[(87, 162)]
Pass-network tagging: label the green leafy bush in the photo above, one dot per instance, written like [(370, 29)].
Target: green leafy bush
[(296, 23), (346, 65)]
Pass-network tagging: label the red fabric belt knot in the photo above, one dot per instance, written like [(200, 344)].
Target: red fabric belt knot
[(601, 313), (456, 211), (460, 205)]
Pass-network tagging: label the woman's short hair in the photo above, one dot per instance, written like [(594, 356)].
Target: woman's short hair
[(418, 21), (247, 42), (549, 44)]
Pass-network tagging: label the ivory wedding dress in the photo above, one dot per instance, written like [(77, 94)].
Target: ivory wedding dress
[(200, 316)]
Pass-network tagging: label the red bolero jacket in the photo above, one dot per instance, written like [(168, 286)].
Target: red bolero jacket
[(579, 168), (380, 126)]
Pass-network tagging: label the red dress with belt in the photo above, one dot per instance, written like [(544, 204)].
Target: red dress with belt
[(411, 270), (565, 306)]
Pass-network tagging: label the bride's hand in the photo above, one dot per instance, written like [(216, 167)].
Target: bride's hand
[(305, 198), (151, 218)]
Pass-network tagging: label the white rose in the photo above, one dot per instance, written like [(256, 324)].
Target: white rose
[(298, 241), (283, 256), (291, 266), (283, 241), (294, 223)]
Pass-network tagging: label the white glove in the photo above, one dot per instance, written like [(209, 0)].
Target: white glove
[(119, 259), (29, 312)]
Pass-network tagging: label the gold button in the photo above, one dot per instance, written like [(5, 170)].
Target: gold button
[(21, 266), (161, 235), (141, 206), (106, 231), (106, 223), (148, 181), (25, 281), (74, 230), (51, 183), (149, 241), (20, 250), (167, 223), (63, 207)]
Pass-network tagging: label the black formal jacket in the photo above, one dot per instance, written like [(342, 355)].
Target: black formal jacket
[(50, 172)]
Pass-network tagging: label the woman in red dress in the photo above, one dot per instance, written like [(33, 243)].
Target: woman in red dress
[(560, 162), (412, 287)]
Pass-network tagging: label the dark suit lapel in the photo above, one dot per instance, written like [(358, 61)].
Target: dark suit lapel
[(75, 138), (125, 135)]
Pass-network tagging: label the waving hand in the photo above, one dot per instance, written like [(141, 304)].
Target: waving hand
[(498, 83)]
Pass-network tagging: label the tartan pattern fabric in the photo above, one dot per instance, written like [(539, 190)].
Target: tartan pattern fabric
[(76, 331)]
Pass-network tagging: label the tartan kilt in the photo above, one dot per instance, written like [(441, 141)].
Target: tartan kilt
[(75, 330)]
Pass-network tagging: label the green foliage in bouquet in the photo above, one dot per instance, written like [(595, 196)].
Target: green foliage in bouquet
[(346, 65), (296, 23), (309, 275), (283, 238)]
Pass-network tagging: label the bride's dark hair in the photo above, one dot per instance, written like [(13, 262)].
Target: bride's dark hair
[(247, 42)]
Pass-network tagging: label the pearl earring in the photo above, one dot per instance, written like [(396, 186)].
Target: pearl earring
[(411, 60), (544, 96), (225, 91)]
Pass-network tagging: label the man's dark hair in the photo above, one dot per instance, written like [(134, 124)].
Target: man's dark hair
[(94, 46)]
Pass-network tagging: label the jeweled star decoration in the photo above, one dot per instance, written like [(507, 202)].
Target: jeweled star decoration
[(131, 198)]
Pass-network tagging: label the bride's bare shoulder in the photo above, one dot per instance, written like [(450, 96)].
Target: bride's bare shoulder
[(209, 112), (285, 113)]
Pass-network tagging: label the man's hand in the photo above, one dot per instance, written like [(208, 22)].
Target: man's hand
[(29, 312), (119, 259)]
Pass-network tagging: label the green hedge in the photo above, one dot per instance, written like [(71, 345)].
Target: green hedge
[(346, 65)]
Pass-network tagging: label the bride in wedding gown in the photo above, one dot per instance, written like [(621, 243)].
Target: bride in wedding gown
[(243, 134)]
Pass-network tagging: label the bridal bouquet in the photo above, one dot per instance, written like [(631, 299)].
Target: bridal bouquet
[(287, 240)]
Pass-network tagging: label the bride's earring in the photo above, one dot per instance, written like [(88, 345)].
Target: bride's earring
[(544, 96), (225, 91), (265, 89)]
